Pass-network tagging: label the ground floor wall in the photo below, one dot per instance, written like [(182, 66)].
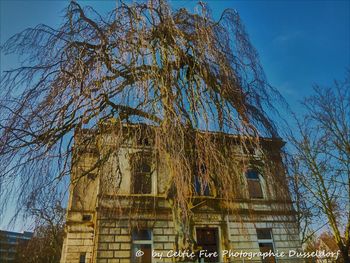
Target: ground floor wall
[(111, 239), (80, 237)]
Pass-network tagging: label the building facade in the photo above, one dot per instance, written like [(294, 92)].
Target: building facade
[(9, 242), (105, 226)]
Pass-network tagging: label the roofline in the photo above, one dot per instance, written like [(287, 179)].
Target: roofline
[(274, 140)]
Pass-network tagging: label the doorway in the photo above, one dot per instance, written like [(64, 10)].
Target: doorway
[(208, 241)]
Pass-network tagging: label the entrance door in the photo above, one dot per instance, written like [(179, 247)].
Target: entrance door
[(207, 239)]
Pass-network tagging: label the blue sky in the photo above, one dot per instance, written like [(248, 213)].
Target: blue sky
[(299, 42)]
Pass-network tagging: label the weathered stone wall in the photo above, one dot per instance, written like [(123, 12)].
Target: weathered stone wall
[(110, 240), (101, 214), (114, 236), (114, 240), (79, 240), (243, 235)]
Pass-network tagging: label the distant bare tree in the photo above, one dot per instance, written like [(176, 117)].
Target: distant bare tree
[(304, 214), (46, 244), (143, 63), (321, 162)]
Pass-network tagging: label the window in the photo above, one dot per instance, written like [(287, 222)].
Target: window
[(200, 187), (86, 217), (264, 233), (265, 241), (144, 141), (142, 240), (82, 258), (141, 234), (254, 185), (249, 150), (141, 181)]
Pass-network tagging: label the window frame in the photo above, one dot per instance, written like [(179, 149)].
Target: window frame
[(141, 242), (145, 157), (198, 184), (259, 179), (82, 255), (200, 171), (266, 240)]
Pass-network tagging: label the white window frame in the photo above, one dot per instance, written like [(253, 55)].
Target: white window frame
[(266, 240), (142, 242)]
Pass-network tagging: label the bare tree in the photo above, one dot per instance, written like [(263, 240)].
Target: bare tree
[(321, 162), (143, 63), (46, 244)]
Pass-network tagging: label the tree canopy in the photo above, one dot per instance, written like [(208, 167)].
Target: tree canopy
[(142, 63)]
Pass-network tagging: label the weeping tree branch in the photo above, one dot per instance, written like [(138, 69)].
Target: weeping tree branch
[(142, 64)]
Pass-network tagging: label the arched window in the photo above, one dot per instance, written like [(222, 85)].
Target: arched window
[(200, 187), (141, 179), (254, 184)]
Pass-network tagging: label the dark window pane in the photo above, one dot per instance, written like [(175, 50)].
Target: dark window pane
[(86, 217), (254, 189), (141, 180), (141, 234), (143, 141), (147, 256), (202, 169), (200, 188), (267, 247), (264, 233), (142, 183), (249, 150), (252, 174), (82, 258), (143, 168)]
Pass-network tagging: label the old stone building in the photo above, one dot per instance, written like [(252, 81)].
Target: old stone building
[(116, 211)]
